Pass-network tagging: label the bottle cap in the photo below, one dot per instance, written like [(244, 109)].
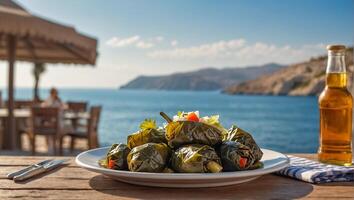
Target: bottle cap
[(336, 48)]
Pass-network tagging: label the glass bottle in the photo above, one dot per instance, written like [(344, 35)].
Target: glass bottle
[(335, 104)]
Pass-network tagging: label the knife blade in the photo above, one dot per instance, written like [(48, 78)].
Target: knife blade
[(39, 170), (54, 164), (13, 174)]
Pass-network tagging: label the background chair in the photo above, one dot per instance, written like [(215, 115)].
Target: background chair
[(76, 107), (90, 132), (79, 106), (47, 122)]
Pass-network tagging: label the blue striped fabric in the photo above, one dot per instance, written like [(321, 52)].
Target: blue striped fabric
[(315, 172)]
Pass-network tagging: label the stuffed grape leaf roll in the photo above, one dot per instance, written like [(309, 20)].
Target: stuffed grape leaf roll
[(116, 157), (149, 157), (238, 135), (196, 158), (235, 156), (183, 132), (148, 133)]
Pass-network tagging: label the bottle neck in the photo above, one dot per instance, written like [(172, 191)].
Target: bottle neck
[(336, 75), (336, 62)]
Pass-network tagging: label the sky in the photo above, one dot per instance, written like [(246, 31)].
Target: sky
[(138, 37)]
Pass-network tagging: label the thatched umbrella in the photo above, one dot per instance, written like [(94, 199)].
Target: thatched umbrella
[(26, 37)]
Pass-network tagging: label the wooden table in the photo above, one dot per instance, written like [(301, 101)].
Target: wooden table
[(26, 113), (73, 182), (23, 113), (19, 114)]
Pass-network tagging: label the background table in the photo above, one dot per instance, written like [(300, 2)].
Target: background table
[(23, 114), (26, 113), (73, 182), (19, 114)]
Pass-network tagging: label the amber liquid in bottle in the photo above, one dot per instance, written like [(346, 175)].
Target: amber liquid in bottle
[(335, 104)]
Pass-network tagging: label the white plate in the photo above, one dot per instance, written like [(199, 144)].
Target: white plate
[(273, 161)]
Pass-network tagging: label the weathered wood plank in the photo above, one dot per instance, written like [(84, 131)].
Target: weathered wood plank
[(271, 186), (60, 195), (76, 183), (62, 172), (100, 182), (126, 191), (26, 160)]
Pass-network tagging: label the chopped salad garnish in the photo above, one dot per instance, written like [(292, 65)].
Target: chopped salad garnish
[(194, 116), (111, 164), (243, 162)]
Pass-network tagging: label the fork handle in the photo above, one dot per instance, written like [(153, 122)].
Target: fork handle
[(13, 174), (29, 174)]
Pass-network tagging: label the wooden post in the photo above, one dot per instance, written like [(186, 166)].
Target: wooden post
[(11, 136)]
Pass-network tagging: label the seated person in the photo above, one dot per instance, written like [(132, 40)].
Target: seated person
[(53, 100)]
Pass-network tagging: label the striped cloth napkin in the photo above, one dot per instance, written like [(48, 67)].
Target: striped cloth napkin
[(315, 172)]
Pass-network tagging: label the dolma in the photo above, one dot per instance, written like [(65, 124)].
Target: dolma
[(149, 157), (148, 133), (238, 135), (179, 133), (235, 156), (196, 158), (116, 157)]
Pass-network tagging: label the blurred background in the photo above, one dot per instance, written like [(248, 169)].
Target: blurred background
[(258, 64)]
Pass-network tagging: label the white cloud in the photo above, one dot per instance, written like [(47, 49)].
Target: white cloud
[(237, 52), (174, 43), (135, 40), (159, 38), (144, 45), (204, 50), (123, 42)]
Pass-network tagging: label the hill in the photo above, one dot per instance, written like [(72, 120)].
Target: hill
[(307, 78), (204, 79)]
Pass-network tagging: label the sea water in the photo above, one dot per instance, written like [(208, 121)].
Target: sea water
[(281, 123)]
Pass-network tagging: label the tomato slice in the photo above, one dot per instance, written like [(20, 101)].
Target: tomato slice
[(111, 164), (243, 162), (192, 117)]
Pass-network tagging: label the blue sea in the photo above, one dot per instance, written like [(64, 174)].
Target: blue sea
[(281, 123)]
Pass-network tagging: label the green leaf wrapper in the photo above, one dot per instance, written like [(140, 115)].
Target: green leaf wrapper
[(148, 133), (149, 157), (195, 158), (232, 152), (117, 155), (238, 135), (179, 133)]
